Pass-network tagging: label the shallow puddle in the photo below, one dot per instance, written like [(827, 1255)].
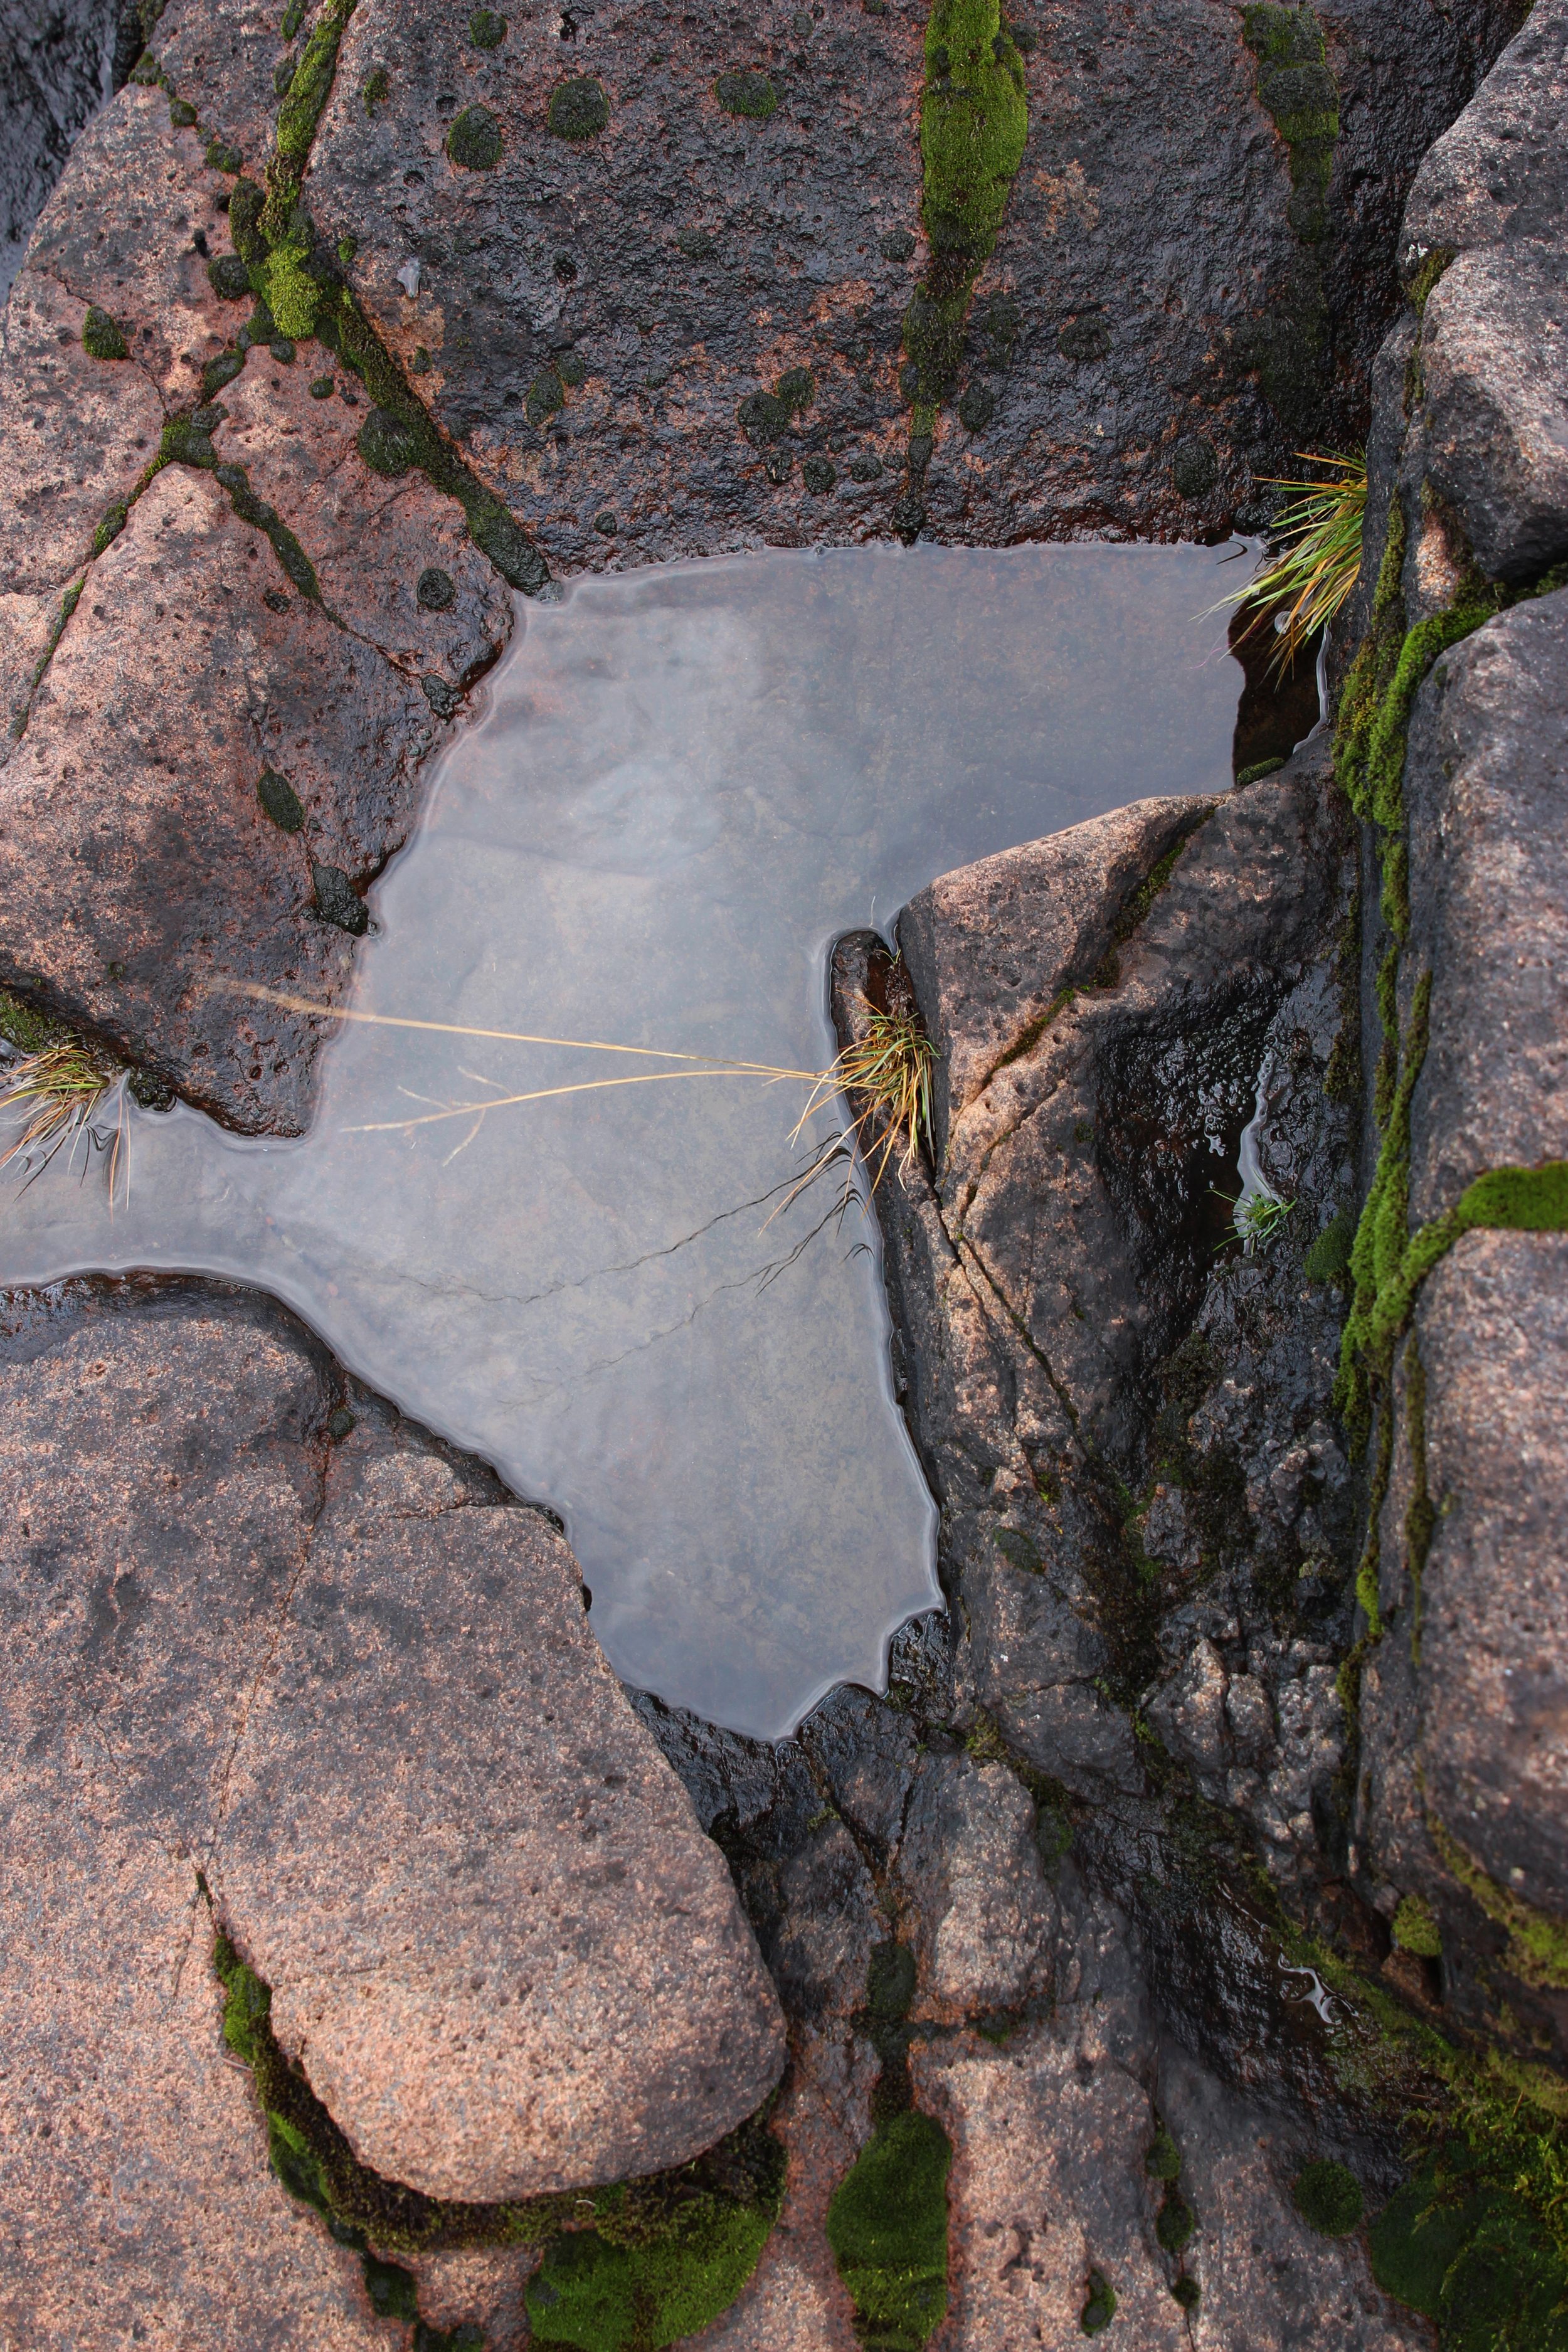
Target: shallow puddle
[(685, 784)]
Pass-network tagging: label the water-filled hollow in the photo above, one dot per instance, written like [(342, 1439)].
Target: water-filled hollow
[(682, 786)]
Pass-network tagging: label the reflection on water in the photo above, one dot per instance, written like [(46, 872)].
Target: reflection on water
[(685, 784)]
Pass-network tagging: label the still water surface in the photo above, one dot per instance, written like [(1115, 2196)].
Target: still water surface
[(685, 784)]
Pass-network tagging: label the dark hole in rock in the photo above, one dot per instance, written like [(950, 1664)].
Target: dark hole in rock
[(437, 590)]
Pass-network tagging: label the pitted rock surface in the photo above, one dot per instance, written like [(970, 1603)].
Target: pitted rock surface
[(497, 1937), (983, 1916)]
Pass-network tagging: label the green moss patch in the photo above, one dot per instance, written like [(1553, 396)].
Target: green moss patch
[(974, 118), (310, 84), (487, 30), (377, 90), (1537, 1950), (1100, 2309), (749, 94), (474, 141), (1328, 2198), (1330, 1253), (636, 2263), (1296, 88), (101, 336), (1415, 1929), (281, 801), (1475, 2259), (578, 109), (229, 278), (888, 2228)]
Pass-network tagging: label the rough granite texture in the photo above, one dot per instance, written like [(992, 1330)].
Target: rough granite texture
[(294, 1662), (980, 1913), (1495, 332)]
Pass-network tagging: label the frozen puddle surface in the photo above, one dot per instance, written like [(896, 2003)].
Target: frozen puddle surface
[(687, 783)]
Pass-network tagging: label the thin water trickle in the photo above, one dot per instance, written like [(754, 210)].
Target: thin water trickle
[(685, 784)]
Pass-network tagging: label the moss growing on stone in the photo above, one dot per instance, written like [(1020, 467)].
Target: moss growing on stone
[(487, 30), (474, 141), (28, 1032), (229, 278), (975, 119), (1415, 1928), (244, 222), (101, 336), (1329, 1255), (223, 157), (1186, 2291), (182, 114), (310, 83), (1328, 2198), (387, 443), (887, 2225), (578, 109), (1296, 88), (1163, 2160), (748, 94), (1100, 2309), (337, 900), (281, 801), (762, 418), (110, 528), (377, 90), (1429, 270), (819, 475), (1537, 1951), (437, 591), (624, 2285), (546, 398)]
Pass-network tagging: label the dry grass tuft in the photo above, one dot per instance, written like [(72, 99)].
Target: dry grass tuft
[(1304, 584), (54, 1094)]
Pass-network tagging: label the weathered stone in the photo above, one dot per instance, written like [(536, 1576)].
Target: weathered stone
[(1464, 1721), (823, 1951), (497, 1941), (984, 1919), (1501, 174), (1485, 785), (129, 820), (222, 57), (1494, 371), (990, 947), (868, 1755), (1189, 1714)]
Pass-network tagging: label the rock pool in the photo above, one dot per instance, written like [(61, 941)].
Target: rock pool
[(685, 783)]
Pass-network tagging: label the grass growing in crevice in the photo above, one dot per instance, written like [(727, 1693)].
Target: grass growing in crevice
[(53, 1091), (635, 2264), (1308, 579)]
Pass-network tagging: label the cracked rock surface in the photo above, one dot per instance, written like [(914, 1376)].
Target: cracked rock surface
[(499, 1943)]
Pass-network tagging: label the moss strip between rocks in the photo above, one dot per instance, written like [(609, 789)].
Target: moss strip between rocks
[(636, 2263)]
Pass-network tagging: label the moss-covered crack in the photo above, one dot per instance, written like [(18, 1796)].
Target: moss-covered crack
[(634, 2263)]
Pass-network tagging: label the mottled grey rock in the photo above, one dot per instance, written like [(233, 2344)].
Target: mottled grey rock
[(989, 947), (1486, 786), (1494, 367), (1464, 1719), (1037, 1664), (1250, 1719), (1494, 357), (1189, 1714), (971, 1878), (867, 1751), (822, 1954)]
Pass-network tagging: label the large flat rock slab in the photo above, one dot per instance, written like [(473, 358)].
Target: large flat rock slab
[(505, 1953), (352, 1682)]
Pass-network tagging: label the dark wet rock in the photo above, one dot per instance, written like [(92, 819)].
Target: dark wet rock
[(823, 1949), (984, 1919), (1487, 776), (496, 1937), (56, 70), (867, 1753), (1189, 1714)]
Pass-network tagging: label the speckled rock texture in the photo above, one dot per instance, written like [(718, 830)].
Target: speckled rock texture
[(242, 1645), (56, 70), (1494, 346), (980, 1915)]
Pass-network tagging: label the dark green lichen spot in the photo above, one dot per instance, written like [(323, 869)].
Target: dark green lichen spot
[(604, 521), (796, 388), (1194, 466), (443, 700), (865, 469), (437, 591), (565, 269), (486, 29), (392, 2290), (1175, 2222), (1018, 1549), (229, 278), (1328, 2198), (337, 900), (1099, 2310), (181, 113), (1087, 337), (1258, 769), (222, 157), (908, 516), (244, 221), (820, 474), (1187, 2291), (377, 90), (749, 94), (474, 141), (896, 244), (571, 368), (578, 109), (976, 409), (656, 379), (221, 371), (545, 397), (696, 243), (279, 800), (293, 17), (420, 363), (340, 1424), (109, 529), (386, 443), (102, 338), (762, 418), (323, 387), (275, 600), (282, 350)]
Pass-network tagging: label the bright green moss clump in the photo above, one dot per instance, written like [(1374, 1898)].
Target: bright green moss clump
[(1099, 2310), (974, 118), (101, 336), (887, 2229), (312, 84), (607, 2288), (578, 109), (1474, 2258), (1415, 1929)]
